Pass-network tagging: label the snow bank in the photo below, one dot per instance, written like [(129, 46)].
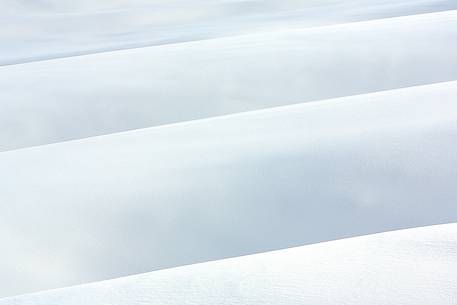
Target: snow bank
[(35, 30), (133, 202), (72, 98), (408, 267)]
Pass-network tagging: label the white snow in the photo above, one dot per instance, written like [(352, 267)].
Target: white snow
[(71, 98), (137, 201), (34, 30), (220, 163), (408, 267)]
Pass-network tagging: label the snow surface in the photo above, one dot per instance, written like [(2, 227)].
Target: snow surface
[(70, 98), (199, 190), (137, 201), (34, 30), (408, 267)]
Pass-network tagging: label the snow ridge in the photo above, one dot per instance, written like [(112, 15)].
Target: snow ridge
[(409, 267), (194, 133)]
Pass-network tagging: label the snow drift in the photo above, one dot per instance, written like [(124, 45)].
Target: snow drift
[(137, 201), (72, 98), (408, 267), (36, 30), (376, 152)]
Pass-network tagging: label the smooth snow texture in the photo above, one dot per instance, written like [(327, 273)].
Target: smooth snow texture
[(33, 30), (138, 201), (408, 267), (77, 97)]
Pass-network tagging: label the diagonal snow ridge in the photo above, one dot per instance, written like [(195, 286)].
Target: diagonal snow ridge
[(448, 89), (65, 29), (395, 20), (222, 187), (195, 139), (416, 266), (104, 93)]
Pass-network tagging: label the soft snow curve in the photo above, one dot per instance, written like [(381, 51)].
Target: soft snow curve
[(37, 30), (138, 201), (409, 267), (77, 97)]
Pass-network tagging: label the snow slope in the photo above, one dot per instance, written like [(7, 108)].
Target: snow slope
[(71, 98), (408, 267), (138, 201), (34, 30)]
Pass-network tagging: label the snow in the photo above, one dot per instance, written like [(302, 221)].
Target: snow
[(71, 98), (138, 135), (35, 30), (408, 267), (183, 193)]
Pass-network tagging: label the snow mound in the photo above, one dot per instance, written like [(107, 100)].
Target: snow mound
[(31, 30), (222, 187), (71, 98), (215, 176), (408, 267)]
